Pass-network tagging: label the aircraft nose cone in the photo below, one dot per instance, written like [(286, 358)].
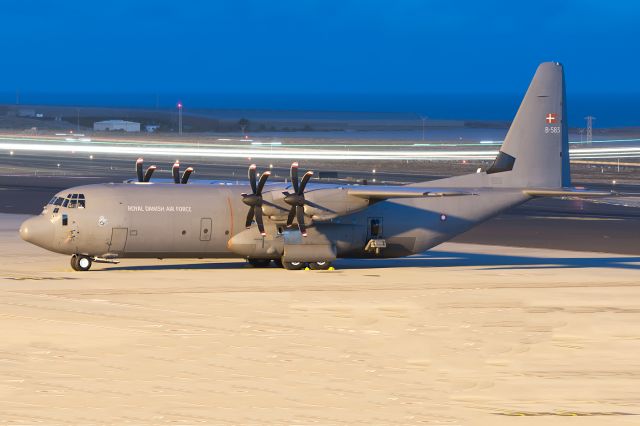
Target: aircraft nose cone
[(36, 230)]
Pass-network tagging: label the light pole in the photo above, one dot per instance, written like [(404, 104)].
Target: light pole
[(180, 118), (424, 123)]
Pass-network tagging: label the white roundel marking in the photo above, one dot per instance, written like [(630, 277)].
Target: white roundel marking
[(443, 217), (84, 262), (102, 221)]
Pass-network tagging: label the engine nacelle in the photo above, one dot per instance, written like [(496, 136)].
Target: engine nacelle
[(326, 204)]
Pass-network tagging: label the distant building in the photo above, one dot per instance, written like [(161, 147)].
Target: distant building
[(26, 112), (110, 125), (151, 128)]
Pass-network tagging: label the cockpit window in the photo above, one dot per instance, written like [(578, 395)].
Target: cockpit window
[(72, 201)]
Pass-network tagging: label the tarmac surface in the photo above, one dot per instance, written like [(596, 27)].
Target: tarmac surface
[(460, 335)]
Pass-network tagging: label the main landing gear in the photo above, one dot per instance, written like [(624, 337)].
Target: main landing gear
[(81, 262), (296, 266), (291, 266)]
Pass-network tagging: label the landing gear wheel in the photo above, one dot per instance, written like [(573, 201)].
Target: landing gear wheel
[(259, 263), (278, 263), (320, 266), (294, 266), (80, 262)]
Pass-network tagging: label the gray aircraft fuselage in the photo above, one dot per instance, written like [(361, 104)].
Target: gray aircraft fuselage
[(207, 221)]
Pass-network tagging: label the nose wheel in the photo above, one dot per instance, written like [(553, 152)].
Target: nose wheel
[(80, 262)]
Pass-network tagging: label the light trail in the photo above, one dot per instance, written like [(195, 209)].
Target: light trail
[(328, 152)]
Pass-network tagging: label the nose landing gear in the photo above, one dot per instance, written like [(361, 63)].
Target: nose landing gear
[(81, 262)]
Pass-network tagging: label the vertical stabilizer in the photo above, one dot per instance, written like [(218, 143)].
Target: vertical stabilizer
[(535, 153)]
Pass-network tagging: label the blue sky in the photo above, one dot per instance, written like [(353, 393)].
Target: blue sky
[(316, 47)]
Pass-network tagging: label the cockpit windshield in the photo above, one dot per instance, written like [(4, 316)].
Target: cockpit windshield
[(72, 201)]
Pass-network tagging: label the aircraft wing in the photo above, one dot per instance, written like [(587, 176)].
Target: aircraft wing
[(384, 192)]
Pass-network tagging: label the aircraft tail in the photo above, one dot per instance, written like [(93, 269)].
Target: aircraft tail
[(535, 152)]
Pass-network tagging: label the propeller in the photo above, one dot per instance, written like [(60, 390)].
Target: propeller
[(185, 175), (297, 200), (175, 172), (146, 177), (254, 200)]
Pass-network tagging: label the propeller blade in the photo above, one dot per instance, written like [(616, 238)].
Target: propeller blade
[(147, 175), (185, 175), (258, 212), (300, 219), (175, 170), (262, 181), (305, 180), (292, 214), (139, 164), (250, 217), (252, 177), (294, 177)]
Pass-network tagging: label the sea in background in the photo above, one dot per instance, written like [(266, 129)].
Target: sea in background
[(619, 110)]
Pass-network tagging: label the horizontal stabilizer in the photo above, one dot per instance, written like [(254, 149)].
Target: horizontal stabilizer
[(384, 192), (568, 192)]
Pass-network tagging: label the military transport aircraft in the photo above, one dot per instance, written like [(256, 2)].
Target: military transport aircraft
[(145, 219)]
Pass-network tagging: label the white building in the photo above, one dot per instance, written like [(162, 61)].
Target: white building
[(109, 125)]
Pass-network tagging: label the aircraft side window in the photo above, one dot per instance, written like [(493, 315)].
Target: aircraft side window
[(65, 220), (56, 210), (51, 201), (81, 201), (58, 201), (72, 204), (65, 202)]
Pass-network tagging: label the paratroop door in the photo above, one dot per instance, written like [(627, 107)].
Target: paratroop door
[(118, 240)]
